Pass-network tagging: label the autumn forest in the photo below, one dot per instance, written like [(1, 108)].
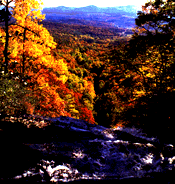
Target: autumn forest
[(92, 73)]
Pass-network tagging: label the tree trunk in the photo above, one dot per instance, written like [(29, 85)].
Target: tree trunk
[(7, 37)]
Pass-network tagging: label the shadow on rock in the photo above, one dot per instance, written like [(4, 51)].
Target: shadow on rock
[(15, 158)]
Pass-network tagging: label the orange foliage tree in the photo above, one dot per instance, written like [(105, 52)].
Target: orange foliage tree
[(30, 49)]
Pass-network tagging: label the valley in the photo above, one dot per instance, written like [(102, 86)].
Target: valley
[(111, 17)]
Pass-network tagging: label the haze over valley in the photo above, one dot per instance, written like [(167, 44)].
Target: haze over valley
[(118, 17)]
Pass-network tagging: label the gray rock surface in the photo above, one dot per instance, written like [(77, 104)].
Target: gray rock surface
[(72, 150)]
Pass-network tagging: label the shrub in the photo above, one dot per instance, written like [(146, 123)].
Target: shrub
[(13, 94)]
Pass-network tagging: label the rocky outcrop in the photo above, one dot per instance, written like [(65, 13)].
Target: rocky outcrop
[(73, 150)]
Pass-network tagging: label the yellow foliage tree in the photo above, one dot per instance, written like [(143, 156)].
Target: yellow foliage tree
[(30, 47)]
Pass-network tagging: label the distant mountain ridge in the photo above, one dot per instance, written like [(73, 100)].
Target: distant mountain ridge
[(119, 16), (94, 9)]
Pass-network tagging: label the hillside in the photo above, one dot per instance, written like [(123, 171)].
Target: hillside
[(98, 74), (81, 91)]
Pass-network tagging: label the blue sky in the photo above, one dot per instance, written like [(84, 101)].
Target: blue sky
[(99, 3)]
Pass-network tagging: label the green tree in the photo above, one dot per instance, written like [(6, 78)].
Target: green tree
[(155, 32), (151, 55), (12, 92)]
